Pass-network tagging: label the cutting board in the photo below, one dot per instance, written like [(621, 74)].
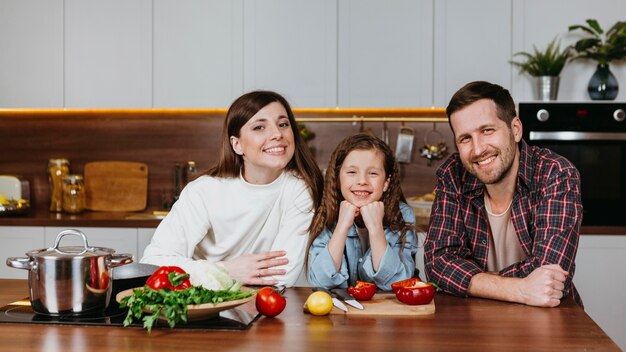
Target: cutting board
[(385, 303), (116, 186)]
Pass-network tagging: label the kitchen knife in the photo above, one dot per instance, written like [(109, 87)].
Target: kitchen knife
[(344, 296), (336, 302)]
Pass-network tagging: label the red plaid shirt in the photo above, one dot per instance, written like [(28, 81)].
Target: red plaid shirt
[(546, 213)]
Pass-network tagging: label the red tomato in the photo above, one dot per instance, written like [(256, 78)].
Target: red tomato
[(362, 291), (269, 302), (404, 283), (420, 293)]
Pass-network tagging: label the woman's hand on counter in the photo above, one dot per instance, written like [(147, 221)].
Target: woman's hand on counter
[(257, 268)]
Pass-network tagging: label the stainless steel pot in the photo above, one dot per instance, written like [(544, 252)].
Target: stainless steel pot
[(70, 280)]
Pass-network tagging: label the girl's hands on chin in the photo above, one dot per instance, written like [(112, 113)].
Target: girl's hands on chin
[(347, 213), (372, 215), (257, 268)]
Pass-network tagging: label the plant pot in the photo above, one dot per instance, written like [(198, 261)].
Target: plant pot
[(547, 87), (603, 84)]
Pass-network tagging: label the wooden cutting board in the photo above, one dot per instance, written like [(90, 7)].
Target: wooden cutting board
[(116, 186), (385, 303)]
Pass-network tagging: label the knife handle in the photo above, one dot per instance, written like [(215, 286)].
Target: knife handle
[(323, 289)]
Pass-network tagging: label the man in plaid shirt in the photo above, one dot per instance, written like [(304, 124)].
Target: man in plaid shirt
[(506, 217)]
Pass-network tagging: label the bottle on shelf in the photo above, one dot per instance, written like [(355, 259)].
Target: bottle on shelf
[(73, 194), (57, 169)]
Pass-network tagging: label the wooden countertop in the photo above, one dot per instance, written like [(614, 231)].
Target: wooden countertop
[(42, 217), (468, 324)]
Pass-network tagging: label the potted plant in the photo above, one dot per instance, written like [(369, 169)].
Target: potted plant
[(603, 48), (545, 66)]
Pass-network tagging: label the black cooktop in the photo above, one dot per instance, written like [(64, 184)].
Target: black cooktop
[(21, 312)]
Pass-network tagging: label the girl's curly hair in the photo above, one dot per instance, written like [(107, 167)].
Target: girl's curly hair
[(328, 211)]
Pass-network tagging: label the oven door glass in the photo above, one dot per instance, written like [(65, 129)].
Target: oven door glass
[(602, 167)]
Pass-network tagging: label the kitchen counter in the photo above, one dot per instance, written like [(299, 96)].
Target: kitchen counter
[(42, 217), (469, 324)]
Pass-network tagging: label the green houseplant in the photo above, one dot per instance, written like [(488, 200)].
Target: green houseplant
[(604, 48), (545, 66)]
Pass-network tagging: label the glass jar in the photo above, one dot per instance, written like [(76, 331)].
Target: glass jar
[(73, 194), (57, 169)]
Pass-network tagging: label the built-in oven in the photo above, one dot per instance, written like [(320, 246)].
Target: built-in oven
[(592, 135)]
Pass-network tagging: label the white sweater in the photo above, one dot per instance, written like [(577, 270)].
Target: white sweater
[(218, 219)]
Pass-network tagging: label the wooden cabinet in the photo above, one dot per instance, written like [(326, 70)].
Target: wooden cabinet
[(599, 278)]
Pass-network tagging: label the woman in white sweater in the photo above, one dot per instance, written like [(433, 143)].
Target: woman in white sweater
[(251, 212)]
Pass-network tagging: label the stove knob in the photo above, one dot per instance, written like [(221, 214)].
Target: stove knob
[(543, 115), (619, 115)]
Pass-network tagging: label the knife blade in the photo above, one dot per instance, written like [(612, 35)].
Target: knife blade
[(342, 294), (336, 302)]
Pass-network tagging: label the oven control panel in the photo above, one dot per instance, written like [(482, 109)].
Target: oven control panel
[(571, 116)]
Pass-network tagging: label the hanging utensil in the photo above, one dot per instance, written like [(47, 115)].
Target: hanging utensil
[(404, 146), (385, 134), (434, 150)]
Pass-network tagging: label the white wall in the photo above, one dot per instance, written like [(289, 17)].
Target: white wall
[(323, 53)]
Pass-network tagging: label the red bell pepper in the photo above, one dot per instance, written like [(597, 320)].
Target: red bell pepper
[(418, 293), (404, 283), (170, 277), (362, 291)]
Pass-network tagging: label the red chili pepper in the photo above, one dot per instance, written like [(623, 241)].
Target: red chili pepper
[(404, 283), (363, 291), (419, 293), (170, 277)]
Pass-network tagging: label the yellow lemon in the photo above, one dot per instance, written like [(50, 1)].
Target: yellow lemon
[(3, 199), (319, 303)]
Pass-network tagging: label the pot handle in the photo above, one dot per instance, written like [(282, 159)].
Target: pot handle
[(20, 263), (119, 259), (73, 233)]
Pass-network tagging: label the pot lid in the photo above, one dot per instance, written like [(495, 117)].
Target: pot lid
[(71, 252)]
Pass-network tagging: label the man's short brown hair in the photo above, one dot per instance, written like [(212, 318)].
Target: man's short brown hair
[(474, 91)]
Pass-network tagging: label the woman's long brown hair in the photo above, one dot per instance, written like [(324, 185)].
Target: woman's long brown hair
[(328, 212), (230, 164)]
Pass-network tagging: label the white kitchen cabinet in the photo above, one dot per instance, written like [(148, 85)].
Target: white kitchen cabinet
[(31, 58), (535, 24), (348, 53), (198, 53), (385, 53), (472, 42), (15, 241), (290, 46), (108, 53), (599, 278), (144, 236)]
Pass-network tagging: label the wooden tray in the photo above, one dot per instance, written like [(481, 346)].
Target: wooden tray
[(385, 303), (116, 186)]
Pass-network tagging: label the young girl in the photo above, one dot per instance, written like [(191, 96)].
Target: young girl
[(363, 230), (251, 212)]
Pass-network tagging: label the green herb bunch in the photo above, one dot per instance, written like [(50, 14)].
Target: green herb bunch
[(172, 304), (544, 63), (600, 46)]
